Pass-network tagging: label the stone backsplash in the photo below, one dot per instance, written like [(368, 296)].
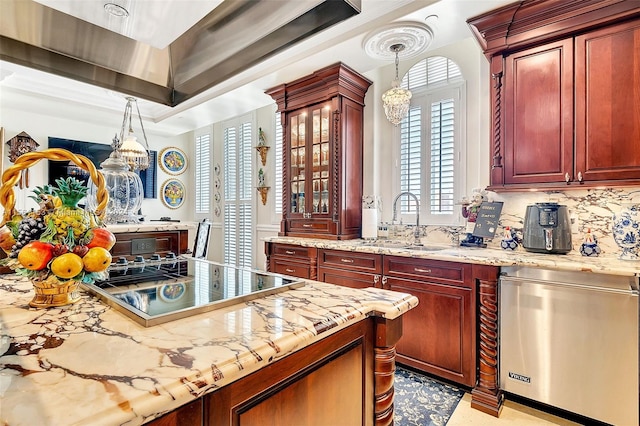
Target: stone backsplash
[(589, 209)]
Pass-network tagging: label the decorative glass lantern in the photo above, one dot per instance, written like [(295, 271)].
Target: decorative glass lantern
[(124, 187)]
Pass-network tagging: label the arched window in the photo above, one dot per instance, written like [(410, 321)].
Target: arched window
[(430, 140)]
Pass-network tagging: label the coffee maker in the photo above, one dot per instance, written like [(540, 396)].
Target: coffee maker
[(547, 229)]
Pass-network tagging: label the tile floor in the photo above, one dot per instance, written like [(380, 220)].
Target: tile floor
[(513, 413)]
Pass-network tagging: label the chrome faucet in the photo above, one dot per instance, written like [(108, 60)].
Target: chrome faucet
[(416, 233)]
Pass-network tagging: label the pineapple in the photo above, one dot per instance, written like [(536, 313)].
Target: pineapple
[(69, 220)]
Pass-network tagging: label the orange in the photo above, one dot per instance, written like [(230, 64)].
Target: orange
[(67, 265), (97, 259)]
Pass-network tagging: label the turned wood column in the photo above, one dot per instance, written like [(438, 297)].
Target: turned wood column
[(387, 334), (487, 396)]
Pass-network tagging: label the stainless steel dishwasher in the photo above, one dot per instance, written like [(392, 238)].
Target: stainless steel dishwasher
[(570, 340)]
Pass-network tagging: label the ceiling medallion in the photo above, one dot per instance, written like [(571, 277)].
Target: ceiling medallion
[(416, 37), (116, 10)]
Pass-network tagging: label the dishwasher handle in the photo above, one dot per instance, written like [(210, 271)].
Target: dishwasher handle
[(630, 292)]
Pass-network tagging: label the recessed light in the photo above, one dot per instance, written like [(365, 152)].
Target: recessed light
[(116, 10)]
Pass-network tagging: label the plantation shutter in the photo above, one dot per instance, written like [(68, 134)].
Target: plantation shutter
[(442, 157), (410, 159), (203, 174), (238, 211)]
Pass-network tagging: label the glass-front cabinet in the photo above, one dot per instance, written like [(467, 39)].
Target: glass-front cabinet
[(322, 119), (309, 165)]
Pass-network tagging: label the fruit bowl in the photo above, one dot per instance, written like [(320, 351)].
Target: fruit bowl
[(59, 245)]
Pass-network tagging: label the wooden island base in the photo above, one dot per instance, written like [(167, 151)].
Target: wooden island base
[(346, 379)]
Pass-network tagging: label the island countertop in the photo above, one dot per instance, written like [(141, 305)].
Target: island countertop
[(88, 364)]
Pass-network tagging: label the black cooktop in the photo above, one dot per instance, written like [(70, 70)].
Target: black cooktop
[(156, 290)]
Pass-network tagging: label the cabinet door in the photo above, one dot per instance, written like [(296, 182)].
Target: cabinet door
[(438, 333), (297, 162), (608, 103), (538, 114), (310, 136)]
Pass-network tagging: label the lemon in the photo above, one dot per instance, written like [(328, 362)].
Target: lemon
[(97, 259), (67, 265)]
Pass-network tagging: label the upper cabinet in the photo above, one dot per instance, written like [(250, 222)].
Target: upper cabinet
[(322, 120), (564, 93)]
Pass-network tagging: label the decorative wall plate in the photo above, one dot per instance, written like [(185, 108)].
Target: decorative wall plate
[(173, 161), (173, 193)]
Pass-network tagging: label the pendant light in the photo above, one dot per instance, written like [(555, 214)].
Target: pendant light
[(396, 100), (133, 152)]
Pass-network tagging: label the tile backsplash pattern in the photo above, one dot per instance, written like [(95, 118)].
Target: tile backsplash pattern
[(589, 209)]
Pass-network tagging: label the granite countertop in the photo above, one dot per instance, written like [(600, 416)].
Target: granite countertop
[(88, 364), (151, 226), (487, 256)]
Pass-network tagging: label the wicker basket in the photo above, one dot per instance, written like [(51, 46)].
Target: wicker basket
[(50, 291)]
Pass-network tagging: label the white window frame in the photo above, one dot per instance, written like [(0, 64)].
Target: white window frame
[(424, 96)]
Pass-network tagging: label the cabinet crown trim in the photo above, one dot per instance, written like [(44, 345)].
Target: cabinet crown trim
[(521, 24)]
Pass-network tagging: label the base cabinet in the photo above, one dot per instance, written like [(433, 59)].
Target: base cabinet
[(349, 269), (132, 244), (343, 379), (292, 260), (439, 334)]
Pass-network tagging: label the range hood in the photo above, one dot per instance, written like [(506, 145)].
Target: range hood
[(233, 37)]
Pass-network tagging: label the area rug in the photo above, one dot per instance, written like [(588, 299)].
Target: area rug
[(420, 400)]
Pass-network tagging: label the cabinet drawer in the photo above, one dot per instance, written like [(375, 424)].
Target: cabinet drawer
[(354, 261), (310, 225), (291, 251), (428, 270), (293, 269), (348, 278)]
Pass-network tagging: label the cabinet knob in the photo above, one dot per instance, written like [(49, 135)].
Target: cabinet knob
[(425, 271), (567, 178), (346, 260), (384, 282), (376, 280), (579, 176)]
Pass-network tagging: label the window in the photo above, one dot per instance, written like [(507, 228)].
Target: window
[(238, 210), (430, 140), (278, 142), (203, 174)]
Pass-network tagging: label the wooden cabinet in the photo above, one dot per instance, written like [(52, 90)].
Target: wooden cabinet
[(293, 260), (131, 244), (539, 89), (608, 103), (439, 335), (565, 107), (349, 269), (322, 120), (345, 378)]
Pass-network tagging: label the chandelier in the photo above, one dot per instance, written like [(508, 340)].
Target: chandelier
[(396, 100), (133, 152)]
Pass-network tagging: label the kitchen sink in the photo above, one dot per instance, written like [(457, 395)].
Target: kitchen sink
[(425, 248), (402, 245)]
